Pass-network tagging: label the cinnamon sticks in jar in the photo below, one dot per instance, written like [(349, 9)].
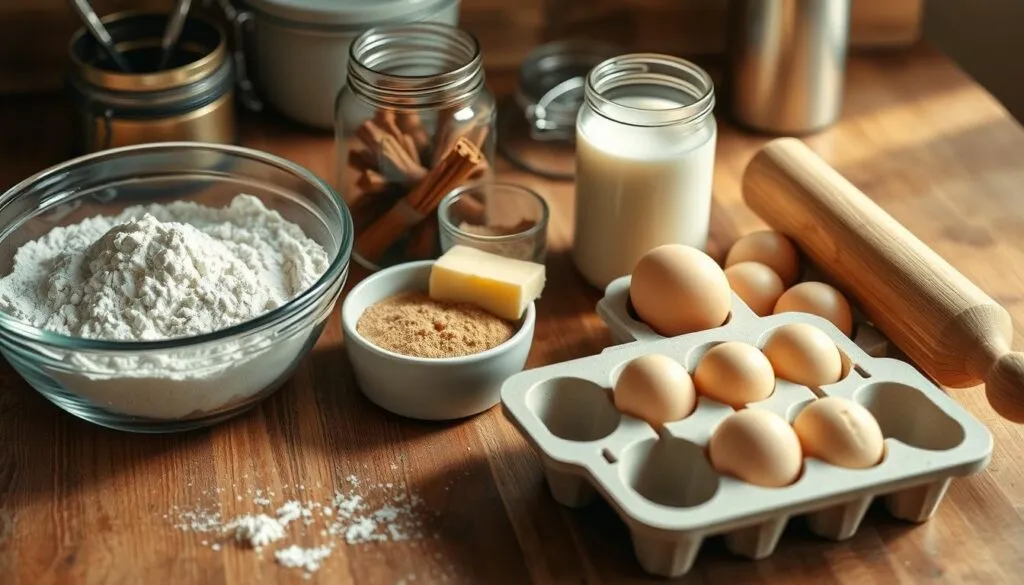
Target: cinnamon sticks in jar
[(398, 173)]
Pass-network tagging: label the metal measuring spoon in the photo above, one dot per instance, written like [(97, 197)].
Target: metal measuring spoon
[(175, 22), (99, 32)]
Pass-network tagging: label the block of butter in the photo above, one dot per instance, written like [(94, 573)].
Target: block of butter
[(500, 285)]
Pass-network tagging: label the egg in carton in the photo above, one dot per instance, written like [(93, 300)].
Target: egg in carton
[(625, 326), (662, 484)]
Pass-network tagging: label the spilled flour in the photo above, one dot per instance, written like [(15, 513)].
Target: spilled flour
[(345, 517), (161, 272)]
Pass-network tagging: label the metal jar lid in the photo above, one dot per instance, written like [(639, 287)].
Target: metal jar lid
[(537, 126), (201, 51), (190, 97)]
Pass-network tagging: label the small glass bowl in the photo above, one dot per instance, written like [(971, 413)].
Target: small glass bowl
[(129, 385), (501, 218)]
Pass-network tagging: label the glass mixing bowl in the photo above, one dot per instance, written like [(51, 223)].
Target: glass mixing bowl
[(128, 385)]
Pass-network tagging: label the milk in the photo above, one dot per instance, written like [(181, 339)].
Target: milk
[(638, 187)]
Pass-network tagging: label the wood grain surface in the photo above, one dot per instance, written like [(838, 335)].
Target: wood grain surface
[(84, 505)]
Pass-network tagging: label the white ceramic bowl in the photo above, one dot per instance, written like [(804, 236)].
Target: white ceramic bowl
[(302, 47), (427, 388)]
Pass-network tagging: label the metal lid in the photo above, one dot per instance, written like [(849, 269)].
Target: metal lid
[(347, 12), (538, 126), (201, 52)]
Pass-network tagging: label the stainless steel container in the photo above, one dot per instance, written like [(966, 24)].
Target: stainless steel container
[(191, 99), (787, 63)]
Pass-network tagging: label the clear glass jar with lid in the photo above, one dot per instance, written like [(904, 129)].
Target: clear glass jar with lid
[(645, 160), (413, 121)]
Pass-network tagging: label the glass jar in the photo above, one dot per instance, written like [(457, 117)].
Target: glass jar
[(413, 121), (645, 159)]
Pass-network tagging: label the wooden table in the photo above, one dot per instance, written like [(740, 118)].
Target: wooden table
[(81, 504)]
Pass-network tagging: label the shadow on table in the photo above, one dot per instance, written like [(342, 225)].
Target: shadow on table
[(46, 452)]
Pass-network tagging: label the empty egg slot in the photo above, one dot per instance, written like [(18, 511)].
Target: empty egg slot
[(669, 471), (574, 409), (905, 414)]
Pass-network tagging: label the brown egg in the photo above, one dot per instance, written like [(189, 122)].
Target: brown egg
[(769, 248), (677, 289), (758, 447), (734, 373), (818, 298), (655, 388), (804, 354), (756, 284), (841, 432)]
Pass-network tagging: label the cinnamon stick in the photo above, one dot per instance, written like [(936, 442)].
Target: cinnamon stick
[(424, 239), (362, 159), (393, 158), (387, 119), (411, 124), (396, 163), (369, 207), (451, 133), (370, 181), (421, 201)]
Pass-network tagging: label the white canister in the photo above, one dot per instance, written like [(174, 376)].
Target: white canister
[(302, 47), (645, 160)]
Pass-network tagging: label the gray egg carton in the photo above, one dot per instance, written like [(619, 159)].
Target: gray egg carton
[(617, 312), (662, 485)]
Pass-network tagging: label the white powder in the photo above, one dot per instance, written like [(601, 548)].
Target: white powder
[(345, 518), (293, 510), (256, 530), (166, 271), (307, 558)]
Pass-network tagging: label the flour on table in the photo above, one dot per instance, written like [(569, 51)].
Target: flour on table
[(388, 513), (309, 559), (256, 530)]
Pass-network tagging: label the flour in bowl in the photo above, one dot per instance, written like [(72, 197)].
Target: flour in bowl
[(160, 272)]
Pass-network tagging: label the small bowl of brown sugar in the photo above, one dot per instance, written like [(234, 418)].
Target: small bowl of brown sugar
[(426, 359)]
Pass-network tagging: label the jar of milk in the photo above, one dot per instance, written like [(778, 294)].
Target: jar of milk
[(645, 158)]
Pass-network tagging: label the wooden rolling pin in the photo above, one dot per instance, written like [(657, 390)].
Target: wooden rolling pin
[(947, 325)]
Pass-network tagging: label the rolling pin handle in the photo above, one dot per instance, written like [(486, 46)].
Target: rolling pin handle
[(1004, 386)]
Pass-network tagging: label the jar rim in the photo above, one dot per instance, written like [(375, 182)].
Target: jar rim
[(371, 53), (151, 81), (653, 69)]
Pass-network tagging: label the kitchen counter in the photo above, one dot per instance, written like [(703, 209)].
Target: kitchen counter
[(81, 504)]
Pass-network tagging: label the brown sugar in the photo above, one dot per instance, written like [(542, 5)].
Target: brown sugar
[(413, 324)]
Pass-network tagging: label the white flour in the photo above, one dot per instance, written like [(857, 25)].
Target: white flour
[(347, 518), (256, 530), (159, 272), (307, 558)]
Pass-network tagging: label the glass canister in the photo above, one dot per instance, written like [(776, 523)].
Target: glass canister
[(413, 121), (645, 158), (190, 99)]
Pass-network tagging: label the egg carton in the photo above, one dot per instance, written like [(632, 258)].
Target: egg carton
[(662, 485), (616, 310)]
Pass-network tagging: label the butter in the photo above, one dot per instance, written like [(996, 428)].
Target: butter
[(502, 286)]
